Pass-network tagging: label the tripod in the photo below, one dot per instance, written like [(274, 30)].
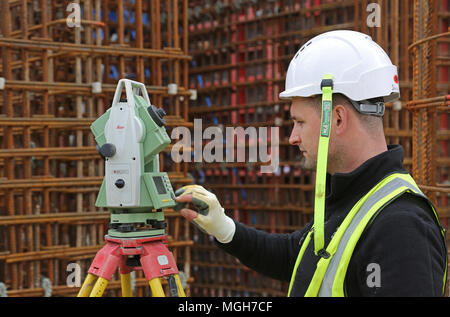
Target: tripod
[(149, 254)]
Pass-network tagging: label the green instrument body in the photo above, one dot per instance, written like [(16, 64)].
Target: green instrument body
[(133, 189)]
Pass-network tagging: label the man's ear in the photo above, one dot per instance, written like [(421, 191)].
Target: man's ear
[(340, 118)]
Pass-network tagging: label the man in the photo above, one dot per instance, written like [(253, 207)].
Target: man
[(378, 234)]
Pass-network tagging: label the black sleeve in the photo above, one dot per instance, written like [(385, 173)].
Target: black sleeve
[(401, 254), (270, 254)]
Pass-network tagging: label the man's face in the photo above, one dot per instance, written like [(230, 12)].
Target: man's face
[(305, 132)]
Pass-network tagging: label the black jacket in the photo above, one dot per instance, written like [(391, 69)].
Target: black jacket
[(403, 240)]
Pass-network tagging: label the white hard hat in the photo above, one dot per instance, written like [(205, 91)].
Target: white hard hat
[(360, 67)]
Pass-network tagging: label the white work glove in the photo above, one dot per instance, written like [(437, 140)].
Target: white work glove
[(210, 217)]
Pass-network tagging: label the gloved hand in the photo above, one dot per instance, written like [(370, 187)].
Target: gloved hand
[(210, 217)]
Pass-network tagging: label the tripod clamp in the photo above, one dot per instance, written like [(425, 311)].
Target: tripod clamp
[(149, 254)]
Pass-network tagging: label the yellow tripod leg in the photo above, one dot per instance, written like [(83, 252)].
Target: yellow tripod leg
[(179, 286), (156, 287), (99, 287), (125, 282), (86, 288)]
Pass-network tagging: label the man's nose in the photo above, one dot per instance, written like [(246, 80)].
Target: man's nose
[(294, 138)]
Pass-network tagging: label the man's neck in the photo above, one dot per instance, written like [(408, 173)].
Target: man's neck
[(359, 152)]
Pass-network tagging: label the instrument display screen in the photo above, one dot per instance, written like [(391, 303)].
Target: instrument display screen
[(159, 185)]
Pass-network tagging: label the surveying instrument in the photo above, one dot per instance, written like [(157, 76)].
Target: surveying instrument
[(129, 137)]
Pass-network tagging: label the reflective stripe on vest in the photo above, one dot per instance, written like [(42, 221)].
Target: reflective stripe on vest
[(328, 279)]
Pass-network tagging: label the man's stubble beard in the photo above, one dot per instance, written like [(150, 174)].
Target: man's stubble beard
[(309, 163)]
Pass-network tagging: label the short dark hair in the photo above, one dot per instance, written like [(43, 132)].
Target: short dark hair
[(370, 122)]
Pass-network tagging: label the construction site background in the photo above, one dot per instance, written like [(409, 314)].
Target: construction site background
[(221, 61)]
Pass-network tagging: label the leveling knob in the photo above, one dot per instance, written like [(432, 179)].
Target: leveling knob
[(119, 183)]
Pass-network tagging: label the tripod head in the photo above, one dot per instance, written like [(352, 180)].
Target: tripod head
[(130, 136)]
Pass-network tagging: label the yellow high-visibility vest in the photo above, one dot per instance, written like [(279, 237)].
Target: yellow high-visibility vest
[(329, 276)]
